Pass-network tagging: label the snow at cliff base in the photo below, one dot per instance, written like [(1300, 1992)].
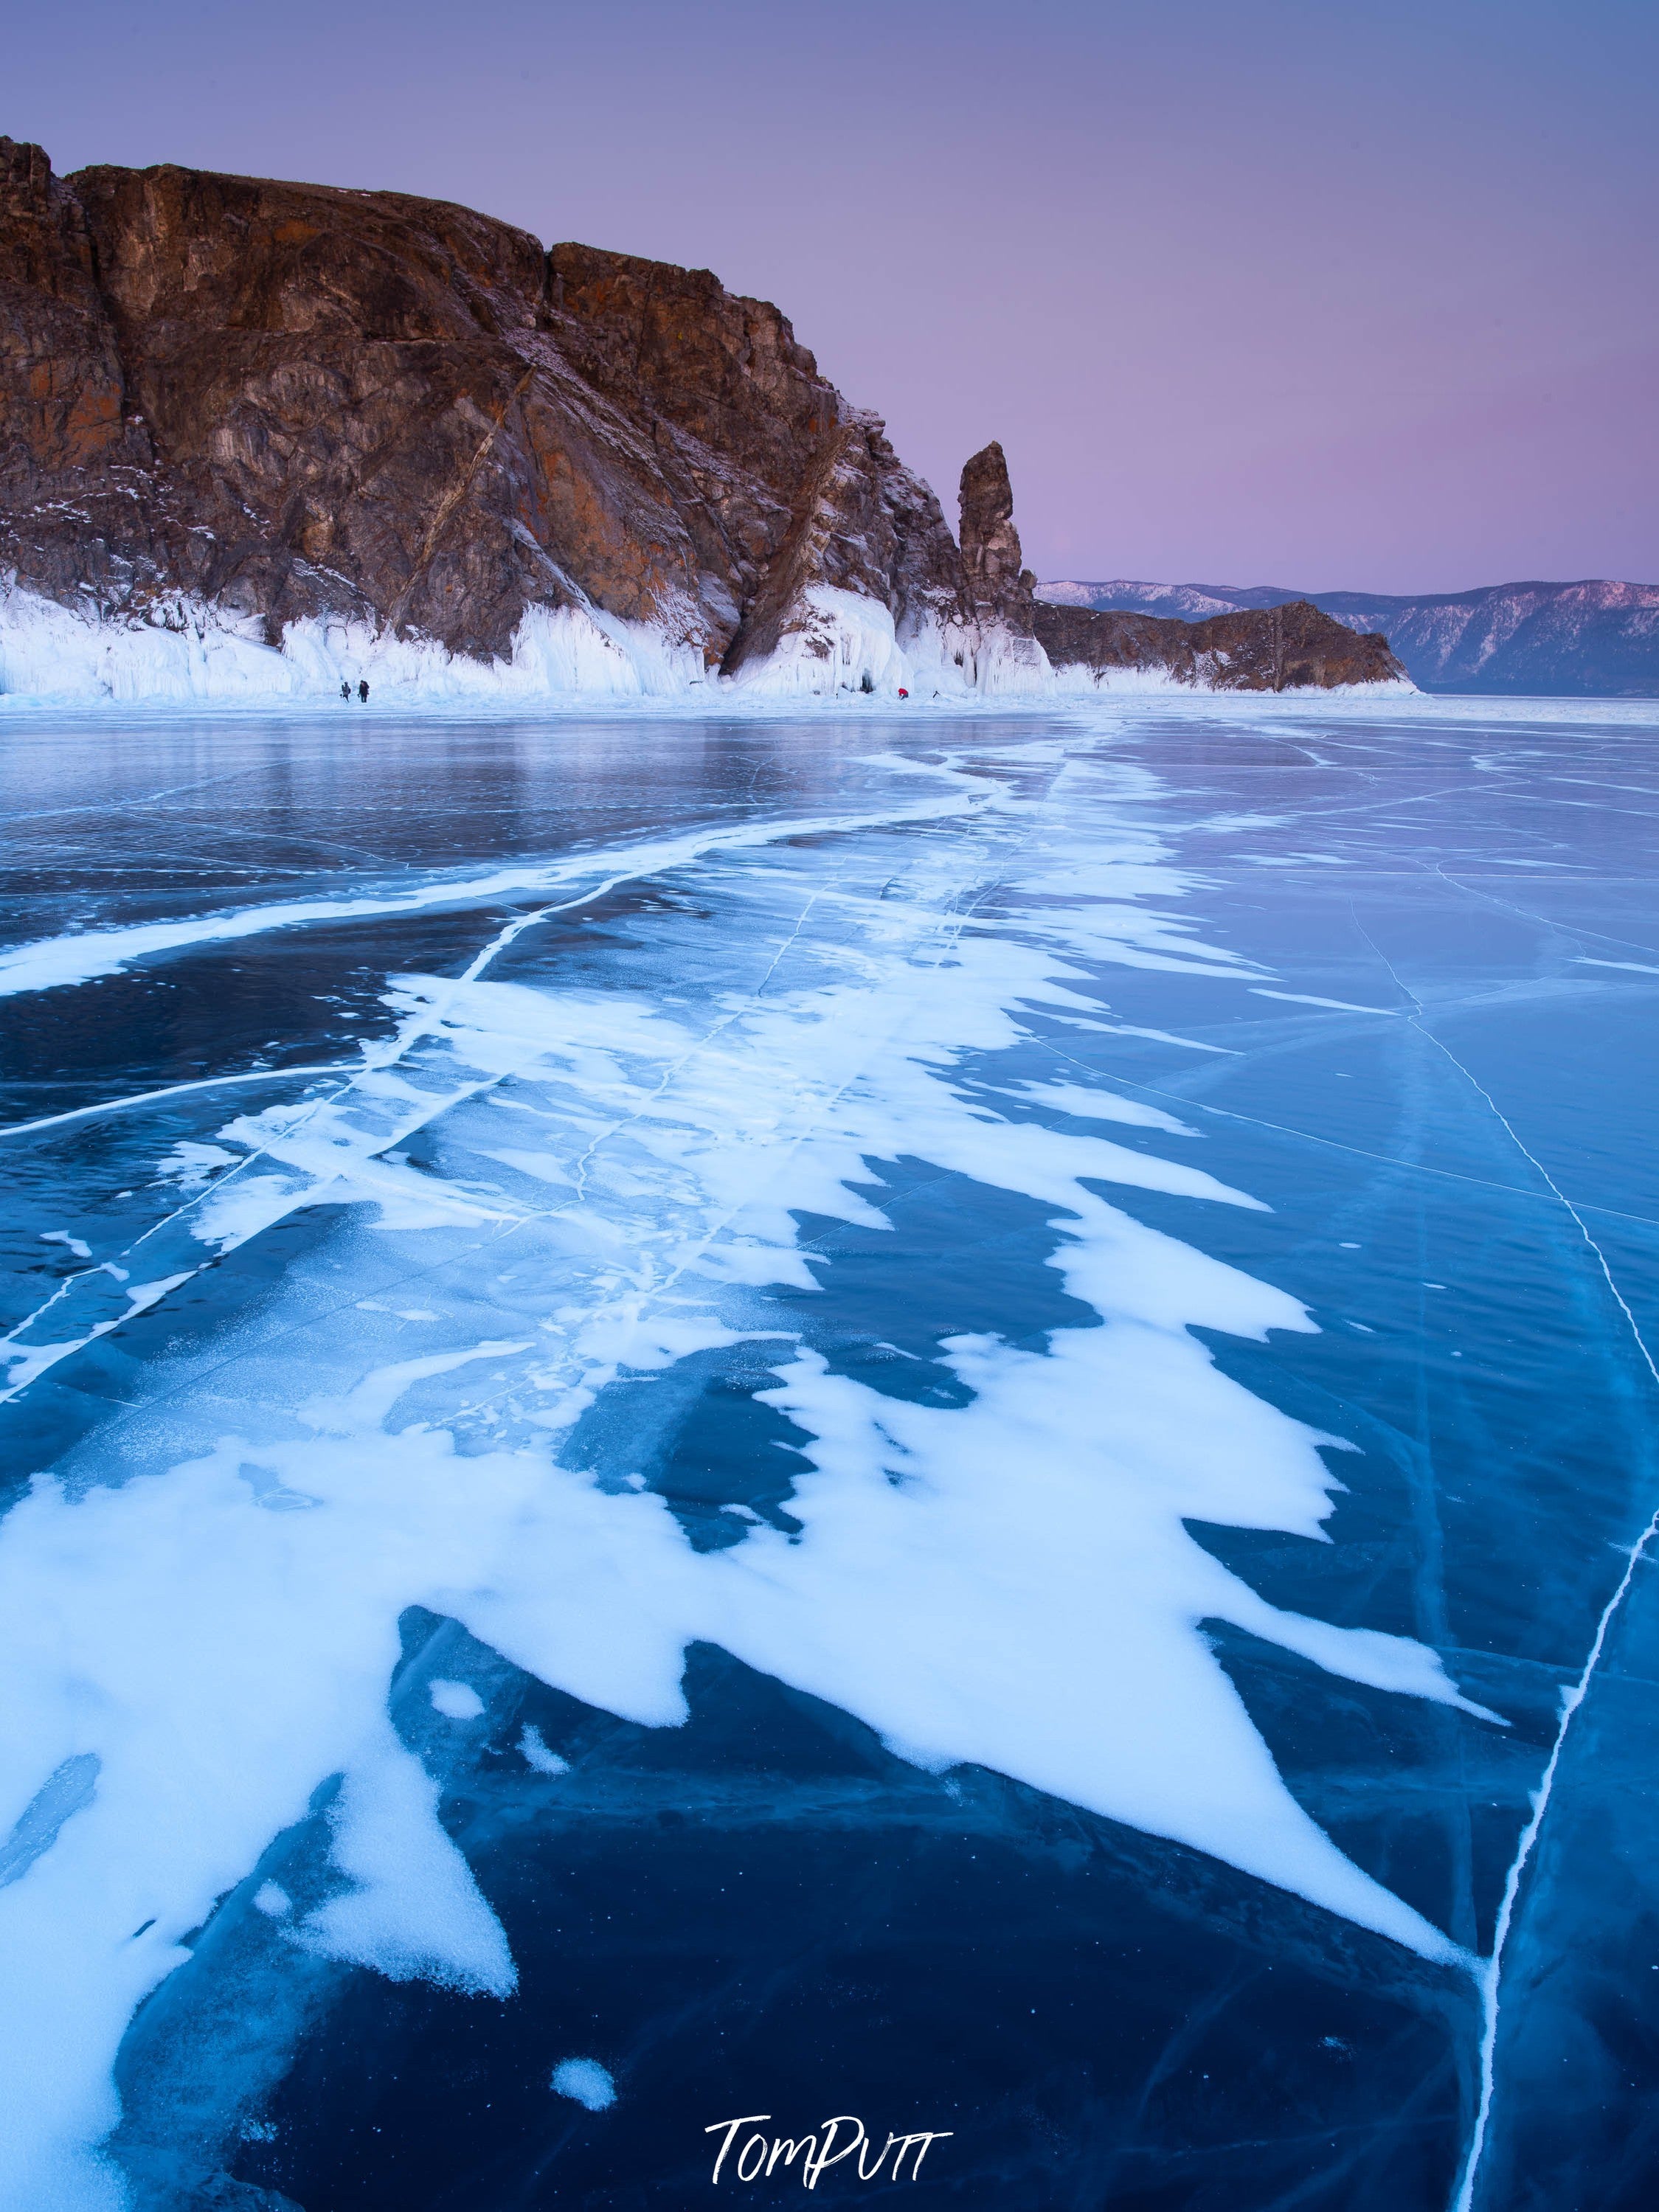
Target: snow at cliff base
[(841, 642)]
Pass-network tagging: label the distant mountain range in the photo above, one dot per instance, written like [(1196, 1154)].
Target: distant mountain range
[(1594, 638)]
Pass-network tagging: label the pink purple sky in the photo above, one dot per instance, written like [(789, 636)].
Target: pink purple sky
[(1327, 295)]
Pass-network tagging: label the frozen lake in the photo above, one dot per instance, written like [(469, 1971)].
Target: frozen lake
[(915, 1417)]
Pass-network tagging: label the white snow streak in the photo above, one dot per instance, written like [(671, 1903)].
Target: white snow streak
[(79, 956), (617, 1180)]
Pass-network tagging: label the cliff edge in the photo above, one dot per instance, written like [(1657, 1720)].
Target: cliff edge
[(265, 438)]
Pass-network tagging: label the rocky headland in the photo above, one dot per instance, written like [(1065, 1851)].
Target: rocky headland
[(263, 438), (1595, 637), (1282, 648)]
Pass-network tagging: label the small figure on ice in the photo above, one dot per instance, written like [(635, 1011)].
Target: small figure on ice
[(345, 690)]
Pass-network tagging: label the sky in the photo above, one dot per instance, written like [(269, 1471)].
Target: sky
[(1335, 295)]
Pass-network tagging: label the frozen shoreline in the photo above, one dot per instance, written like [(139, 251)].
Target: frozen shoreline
[(25, 714), (569, 658)]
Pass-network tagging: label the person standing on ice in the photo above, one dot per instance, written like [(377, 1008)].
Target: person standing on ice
[(362, 691), (345, 690)]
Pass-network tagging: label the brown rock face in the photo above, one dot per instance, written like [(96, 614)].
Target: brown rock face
[(998, 585), (294, 400), (71, 456), (290, 401), (1267, 649)]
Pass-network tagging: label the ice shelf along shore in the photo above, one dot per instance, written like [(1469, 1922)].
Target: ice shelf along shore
[(190, 652), (934, 1270)]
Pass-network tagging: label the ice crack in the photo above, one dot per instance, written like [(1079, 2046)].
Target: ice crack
[(1491, 1973)]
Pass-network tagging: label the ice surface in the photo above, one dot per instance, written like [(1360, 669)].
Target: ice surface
[(78, 1245), (414, 1910), (1101, 1106), (1312, 999), (456, 1701), (587, 2082), (557, 1181), (80, 957), (536, 1754), (36, 1827)]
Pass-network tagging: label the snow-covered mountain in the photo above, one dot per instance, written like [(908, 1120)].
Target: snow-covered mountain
[(1594, 637)]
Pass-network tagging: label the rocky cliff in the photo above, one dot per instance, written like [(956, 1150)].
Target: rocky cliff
[(260, 408), (1594, 637), (263, 437), (1283, 649)]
